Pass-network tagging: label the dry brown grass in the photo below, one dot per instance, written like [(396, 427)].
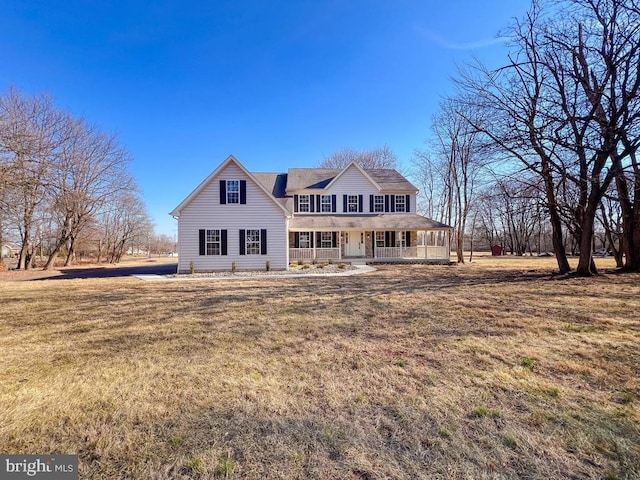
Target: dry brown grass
[(497, 369)]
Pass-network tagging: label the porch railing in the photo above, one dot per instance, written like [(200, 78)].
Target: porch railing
[(311, 253), (421, 251)]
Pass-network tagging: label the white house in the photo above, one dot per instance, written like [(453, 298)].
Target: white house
[(307, 213)]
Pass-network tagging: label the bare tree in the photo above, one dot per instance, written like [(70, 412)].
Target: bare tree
[(457, 162), (124, 222), (89, 170), (567, 95), (30, 135), (380, 157)]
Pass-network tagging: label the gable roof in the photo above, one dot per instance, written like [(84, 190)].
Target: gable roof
[(362, 172), (321, 178), (231, 159)]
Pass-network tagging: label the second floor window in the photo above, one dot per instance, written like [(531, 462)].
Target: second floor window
[(378, 203), (233, 191), (352, 203), (400, 203), (325, 203), (303, 203)]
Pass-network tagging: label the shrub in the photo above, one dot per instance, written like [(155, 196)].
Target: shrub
[(330, 261), (300, 262), (527, 363), (225, 467), (293, 265), (320, 265), (314, 261), (479, 412), (192, 267), (306, 265), (342, 266), (267, 265), (233, 267)]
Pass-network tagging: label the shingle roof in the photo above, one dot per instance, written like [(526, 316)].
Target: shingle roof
[(396, 221), (310, 178)]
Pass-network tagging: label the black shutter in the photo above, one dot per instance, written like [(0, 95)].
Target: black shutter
[(243, 192), (344, 204), (387, 239), (318, 238), (333, 203), (223, 192), (223, 242), (242, 243), (373, 243), (407, 237), (392, 201), (311, 243), (393, 239), (318, 202), (386, 203), (407, 207), (263, 241), (295, 203), (312, 203), (202, 242), (296, 240), (371, 203), (360, 202), (334, 239)]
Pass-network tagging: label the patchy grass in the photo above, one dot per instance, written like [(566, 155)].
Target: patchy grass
[(366, 377)]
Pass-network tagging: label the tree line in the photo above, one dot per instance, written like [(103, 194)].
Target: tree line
[(545, 146), (65, 186)]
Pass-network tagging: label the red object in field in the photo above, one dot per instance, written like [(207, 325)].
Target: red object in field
[(496, 250)]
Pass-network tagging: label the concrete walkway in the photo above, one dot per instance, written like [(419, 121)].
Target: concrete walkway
[(258, 276)]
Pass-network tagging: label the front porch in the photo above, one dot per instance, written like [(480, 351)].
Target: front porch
[(383, 246)]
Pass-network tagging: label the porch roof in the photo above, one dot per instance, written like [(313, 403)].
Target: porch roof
[(396, 221)]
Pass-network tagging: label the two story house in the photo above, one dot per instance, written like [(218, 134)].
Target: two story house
[(307, 213)]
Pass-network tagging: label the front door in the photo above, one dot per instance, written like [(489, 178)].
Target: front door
[(354, 244)]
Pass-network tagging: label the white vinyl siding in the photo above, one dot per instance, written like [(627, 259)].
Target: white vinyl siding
[(204, 210)]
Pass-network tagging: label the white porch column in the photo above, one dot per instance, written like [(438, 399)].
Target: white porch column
[(375, 244)]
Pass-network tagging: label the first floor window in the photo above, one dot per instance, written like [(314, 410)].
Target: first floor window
[(401, 239), (380, 239), (213, 242), (304, 239), (400, 204), (326, 239), (252, 242)]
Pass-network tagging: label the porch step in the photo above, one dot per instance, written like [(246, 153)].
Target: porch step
[(357, 261)]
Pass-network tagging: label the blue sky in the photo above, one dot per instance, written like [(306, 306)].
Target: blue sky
[(278, 84)]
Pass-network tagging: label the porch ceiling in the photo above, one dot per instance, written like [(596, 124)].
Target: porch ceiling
[(396, 221)]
